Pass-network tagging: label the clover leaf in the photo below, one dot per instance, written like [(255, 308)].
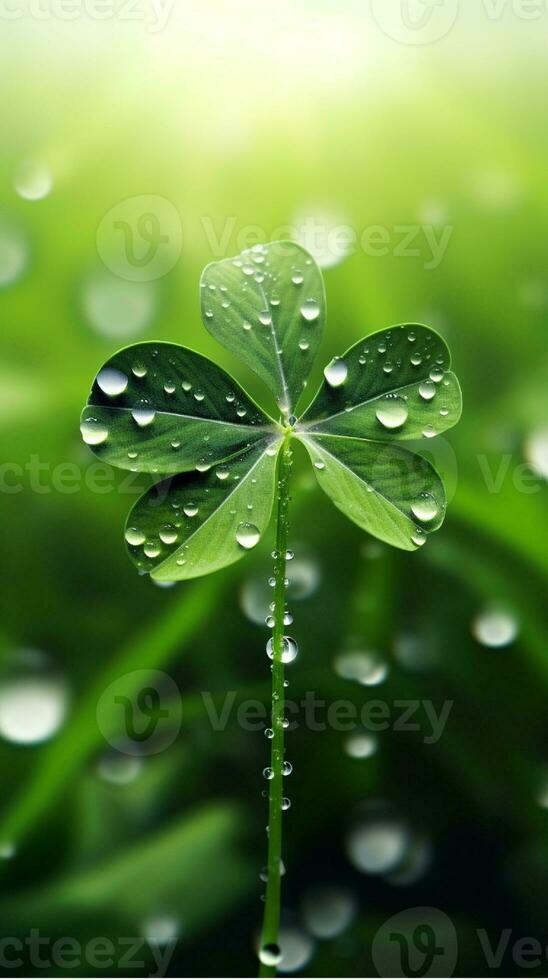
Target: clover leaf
[(163, 409)]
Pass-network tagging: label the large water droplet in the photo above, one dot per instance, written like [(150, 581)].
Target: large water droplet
[(336, 372), (112, 382), (143, 415), (134, 536), (290, 649), (495, 627), (247, 535), (425, 507), (310, 310), (190, 510), (270, 954), (427, 390), (93, 432), (392, 412), (168, 534)]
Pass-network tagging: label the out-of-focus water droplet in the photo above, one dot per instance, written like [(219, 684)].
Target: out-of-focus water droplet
[(270, 954), (134, 536), (13, 255), (365, 667), (117, 308), (7, 850), (427, 390), (310, 310), (247, 535), (33, 699), (290, 649), (328, 911), (425, 507), (392, 412), (119, 768), (93, 432), (296, 948), (112, 382), (33, 180), (378, 842), (360, 745), (495, 627), (336, 372), (536, 452), (159, 930)]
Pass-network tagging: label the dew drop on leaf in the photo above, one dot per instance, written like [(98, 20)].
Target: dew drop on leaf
[(310, 310), (290, 649), (392, 412), (336, 372), (134, 536), (425, 507), (247, 535), (143, 415), (93, 432), (190, 510), (168, 534), (112, 382), (270, 954), (427, 390)]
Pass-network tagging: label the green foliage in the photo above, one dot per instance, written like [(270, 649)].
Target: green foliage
[(160, 408)]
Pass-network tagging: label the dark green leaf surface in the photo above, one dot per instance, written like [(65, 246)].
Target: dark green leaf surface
[(267, 306), (394, 384), (161, 408), (193, 524), (392, 493)]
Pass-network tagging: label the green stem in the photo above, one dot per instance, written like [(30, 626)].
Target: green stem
[(271, 918)]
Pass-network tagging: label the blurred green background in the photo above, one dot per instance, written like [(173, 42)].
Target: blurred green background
[(312, 115)]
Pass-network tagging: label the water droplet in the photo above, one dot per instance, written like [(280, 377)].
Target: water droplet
[(365, 667), (203, 466), (425, 507), (310, 310), (159, 930), (297, 278), (152, 549), (536, 452), (416, 360), (360, 746), (112, 382), (392, 412), (117, 308), (287, 769), (418, 537), (495, 627), (190, 510), (169, 388), (270, 954), (378, 844), (118, 768), (427, 390), (93, 432), (268, 773), (290, 649), (297, 949), (13, 256), (168, 534), (199, 395), (247, 535), (286, 803), (265, 317), (33, 180), (429, 431), (33, 699), (143, 415), (328, 912), (319, 464), (139, 370), (186, 386), (134, 536), (336, 372), (436, 374), (269, 733), (222, 472), (303, 345)]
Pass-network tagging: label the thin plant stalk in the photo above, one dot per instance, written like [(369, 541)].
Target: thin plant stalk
[(271, 919)]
